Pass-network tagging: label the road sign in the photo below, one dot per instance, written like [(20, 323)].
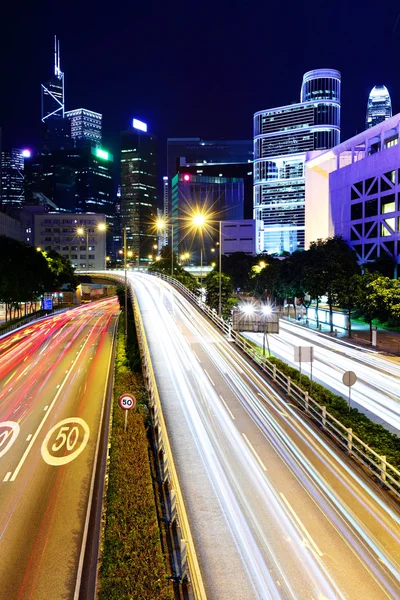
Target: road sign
[(127, 401), (349, 378), (304, 354)]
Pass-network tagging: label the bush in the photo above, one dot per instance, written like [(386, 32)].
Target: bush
[(382, 441), (133, 564)]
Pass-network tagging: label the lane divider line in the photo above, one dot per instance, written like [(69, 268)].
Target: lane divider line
[(29, 437), (7, 477), (46, 407), (209, 378), (43, 421), (260, 462), (227, 407), (302, 527)]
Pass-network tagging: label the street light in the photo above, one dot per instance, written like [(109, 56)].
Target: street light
[(199, 220), (84, 231), (161, 225), (266, 310)]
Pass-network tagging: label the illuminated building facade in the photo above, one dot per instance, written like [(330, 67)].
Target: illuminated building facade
[(379, 106), (353, 190), (282, 137), (139, 190), (164, 240), (86, 127), (217, 197), (12, 178), (62, 232)]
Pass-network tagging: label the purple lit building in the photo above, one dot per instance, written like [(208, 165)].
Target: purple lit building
[(353, 190)]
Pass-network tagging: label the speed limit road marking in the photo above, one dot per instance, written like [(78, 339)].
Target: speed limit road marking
[(65, 441), (9, 431)]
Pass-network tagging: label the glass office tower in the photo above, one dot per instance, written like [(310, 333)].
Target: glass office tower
[(139, 191), (282, 137), (379, 106), (86, 127)]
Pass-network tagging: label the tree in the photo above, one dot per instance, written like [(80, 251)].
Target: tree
[(62, 270), (265, 281), (211, 284), (164, 266), (348, 290), (238, 267), (376, 298), (330, 262), (24, 273)]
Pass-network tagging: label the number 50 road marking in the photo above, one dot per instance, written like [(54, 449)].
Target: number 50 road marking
[(67, 438)]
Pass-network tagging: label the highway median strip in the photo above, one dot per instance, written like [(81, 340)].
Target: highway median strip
[(133, 564)]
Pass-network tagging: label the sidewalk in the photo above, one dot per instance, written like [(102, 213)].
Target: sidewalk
[(388, 342)]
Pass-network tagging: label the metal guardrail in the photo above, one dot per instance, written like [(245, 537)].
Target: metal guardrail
[(190, 569), (357, 449), (32, 317)]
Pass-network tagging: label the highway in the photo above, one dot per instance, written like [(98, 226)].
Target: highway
[(53, 383), (276, 512), (377, 391)]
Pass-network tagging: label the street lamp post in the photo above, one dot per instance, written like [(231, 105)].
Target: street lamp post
[(126, 289), (220, 273)]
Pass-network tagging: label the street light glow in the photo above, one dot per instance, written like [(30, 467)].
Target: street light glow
[(199, 220), (160, 224), (101, 226), (266, 310), (248, 309), (80, 231)]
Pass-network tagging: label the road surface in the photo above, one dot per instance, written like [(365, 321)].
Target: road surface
[(377, 391), (53, 382), (275, 510)]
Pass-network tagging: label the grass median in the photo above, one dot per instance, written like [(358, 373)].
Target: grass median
[(133, 565)]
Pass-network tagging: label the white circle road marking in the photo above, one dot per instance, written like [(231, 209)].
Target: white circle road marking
[(9, 427), (67, 436)]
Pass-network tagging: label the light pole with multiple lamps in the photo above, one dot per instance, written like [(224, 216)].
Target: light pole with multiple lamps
[(84, 231)]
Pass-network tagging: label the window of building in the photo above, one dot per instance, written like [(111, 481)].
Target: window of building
[(354, 235), (74, 256), (391, 176), (91, 256), (386, 231), (82, 257), (65, 248), (371, 208), (385, 185), (356, 211), (371, 189), (354, 194), (367, 249), (388, 204), (359, 187), (358, 227), (371, 232), (390, 247)]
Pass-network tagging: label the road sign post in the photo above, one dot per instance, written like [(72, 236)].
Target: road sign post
[(127, 402), (304, 354), (349, 378)]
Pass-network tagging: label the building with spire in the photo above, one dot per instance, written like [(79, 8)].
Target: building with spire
[(55, 129), (86, 127), (379, 106)]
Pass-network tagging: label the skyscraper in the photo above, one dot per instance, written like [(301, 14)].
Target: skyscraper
[(282, 137), (86, 127), (55, 129), (12, 178), (139, 190), (379, 106), (165, 208)]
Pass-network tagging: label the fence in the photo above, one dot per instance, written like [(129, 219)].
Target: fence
[(39, 314), (377, 465), (189, 566)]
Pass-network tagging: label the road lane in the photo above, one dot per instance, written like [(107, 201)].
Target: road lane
[(377, 391), (53, 382), (302, 520)]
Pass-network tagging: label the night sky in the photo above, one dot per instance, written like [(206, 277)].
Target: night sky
[(192, 69)]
